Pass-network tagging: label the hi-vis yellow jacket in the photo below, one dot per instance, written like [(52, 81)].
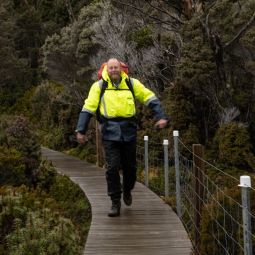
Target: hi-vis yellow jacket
[(117, 106)]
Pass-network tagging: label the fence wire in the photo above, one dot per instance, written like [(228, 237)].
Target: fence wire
[(156, 168), (220, 231)]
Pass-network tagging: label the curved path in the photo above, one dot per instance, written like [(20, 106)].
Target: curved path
[(148, 227)]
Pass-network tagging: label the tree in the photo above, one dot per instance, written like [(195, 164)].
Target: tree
[(66, 55), (13, 71), (233, 147), (214, 68)]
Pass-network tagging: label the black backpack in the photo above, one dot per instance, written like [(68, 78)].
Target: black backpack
[(129, 83)]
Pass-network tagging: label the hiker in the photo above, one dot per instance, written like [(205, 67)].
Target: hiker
[(113, 98)]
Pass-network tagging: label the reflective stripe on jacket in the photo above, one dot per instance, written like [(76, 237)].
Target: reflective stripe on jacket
[(117, 101), (117, 106)]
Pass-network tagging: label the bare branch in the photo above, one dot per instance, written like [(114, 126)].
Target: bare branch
[(77, 94), (26, 3), (241, 32), (70, 10), (206, 26), (166, 12), (228, 115), (144, 13)]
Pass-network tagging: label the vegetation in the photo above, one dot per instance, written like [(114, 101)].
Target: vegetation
[(41, 212), (198, 57)]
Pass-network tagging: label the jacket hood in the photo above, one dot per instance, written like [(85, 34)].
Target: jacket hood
[(106, 77)]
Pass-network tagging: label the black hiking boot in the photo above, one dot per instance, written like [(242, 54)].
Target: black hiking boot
[(127, 198), (115, 209)]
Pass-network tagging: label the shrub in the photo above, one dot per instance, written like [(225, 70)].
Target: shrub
[(233, 147), (73, 201), (12, 167), (31, 229), (16, 134), (53, 107), (221, 225)]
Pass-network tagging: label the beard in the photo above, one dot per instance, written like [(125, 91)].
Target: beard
[(115, 78)]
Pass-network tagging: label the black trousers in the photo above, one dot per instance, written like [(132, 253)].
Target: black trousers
[(120, 155)]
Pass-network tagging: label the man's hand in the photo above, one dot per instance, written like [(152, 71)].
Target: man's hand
[(81, 138), (161, 123)]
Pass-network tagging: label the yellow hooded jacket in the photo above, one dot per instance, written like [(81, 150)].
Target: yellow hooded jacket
[(117, 101), (117, 106)]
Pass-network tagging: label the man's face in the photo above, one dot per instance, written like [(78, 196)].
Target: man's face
[(114, 70)]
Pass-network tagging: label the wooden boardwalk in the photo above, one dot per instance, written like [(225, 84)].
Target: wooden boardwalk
[(148, 227)]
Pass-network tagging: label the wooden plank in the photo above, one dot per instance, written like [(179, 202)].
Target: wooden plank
[(148, 227)]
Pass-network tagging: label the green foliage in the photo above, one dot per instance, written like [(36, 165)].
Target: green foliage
[(66, 54), (190, 100), (56, 121), (142, 37), (45, 176), (249, 39), (12, 167), (13, 72), (53, 219), (232, 147), (84, 152), (179, 107), (73, 202), (24, 27), (23, 104), (31, 229), (189, 137), (213, 216), (88, 151), (206, 78), (38, 237), (228, 16), (196, 66), (211, 77), (18, 139)]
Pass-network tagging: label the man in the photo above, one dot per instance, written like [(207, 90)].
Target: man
[(117, 110)]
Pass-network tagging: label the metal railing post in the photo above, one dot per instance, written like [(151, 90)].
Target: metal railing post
[(146, 162), (177, 173), (166, 167), (245, 184)]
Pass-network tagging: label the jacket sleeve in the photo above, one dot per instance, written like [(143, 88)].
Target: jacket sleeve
[(157, 110), (83, 122), (89, 108), (147, 97)]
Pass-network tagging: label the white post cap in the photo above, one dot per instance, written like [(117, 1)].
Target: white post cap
[(165, 142), (175, 133), (146, 138), (245, 181)]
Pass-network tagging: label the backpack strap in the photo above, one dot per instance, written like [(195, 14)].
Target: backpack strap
[(103, 85), (130, 84)]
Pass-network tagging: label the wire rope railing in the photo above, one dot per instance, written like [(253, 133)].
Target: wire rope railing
[(217, 212)]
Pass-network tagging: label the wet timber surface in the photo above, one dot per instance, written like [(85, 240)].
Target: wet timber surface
[(147, 227)]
